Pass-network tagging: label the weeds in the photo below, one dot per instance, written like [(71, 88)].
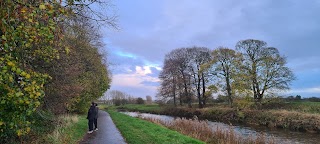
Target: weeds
[(61, 132)]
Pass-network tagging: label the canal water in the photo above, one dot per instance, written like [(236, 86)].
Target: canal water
[(279, 135)]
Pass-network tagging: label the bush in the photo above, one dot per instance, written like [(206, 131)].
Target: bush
[(140, 101)]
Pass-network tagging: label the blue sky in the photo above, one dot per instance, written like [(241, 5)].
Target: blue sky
[(149, 29)]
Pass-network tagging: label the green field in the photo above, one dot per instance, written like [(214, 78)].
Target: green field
[(136, 131), (306, 107)]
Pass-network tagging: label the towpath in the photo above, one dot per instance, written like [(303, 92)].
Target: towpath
[(107, 132)]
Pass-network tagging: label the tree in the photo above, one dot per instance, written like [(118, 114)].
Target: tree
[(149, 99), (140, 101), (175, 75), (265, 67), (199, 56), (225, 64), (34, 37), (168, 76)]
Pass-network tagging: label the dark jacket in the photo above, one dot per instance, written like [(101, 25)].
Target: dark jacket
[(91, 113), (96, 110)]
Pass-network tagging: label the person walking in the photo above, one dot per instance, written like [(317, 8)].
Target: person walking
[(90, 117), (95, 121)]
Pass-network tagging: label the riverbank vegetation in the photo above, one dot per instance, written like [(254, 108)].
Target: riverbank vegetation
[(201, 130), (136, 131), (51, 63), (267, 115)]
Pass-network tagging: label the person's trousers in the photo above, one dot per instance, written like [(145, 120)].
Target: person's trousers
[(90, 123), (95, 123)]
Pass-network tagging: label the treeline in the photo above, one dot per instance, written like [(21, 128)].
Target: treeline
[(251, 69), (116, 97), (298, 98), (49, 61)]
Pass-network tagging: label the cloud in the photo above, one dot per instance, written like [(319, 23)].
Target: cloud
[(143, 70), (305, 92), (150, 83), (149, 30), (137, 82)]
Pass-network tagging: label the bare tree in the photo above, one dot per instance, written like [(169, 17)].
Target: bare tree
[(168, 76), (199, 56)]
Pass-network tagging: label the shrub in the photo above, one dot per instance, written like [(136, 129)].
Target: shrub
[(140, 101)]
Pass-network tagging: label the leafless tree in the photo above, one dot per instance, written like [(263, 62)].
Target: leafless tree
[(199, 56)]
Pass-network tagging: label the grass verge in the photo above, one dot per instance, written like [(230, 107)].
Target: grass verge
[(70, 129), (137, 131)]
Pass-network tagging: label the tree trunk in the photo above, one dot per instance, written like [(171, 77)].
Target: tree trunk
[(188, 94), (229, 90), (203, 90), (174, 92), (198, 92)]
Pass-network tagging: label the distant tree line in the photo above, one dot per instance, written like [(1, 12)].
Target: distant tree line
[(253, 68), (116, 97), (299, 98)]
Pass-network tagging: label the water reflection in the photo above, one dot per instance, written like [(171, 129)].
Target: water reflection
[(280, 136)]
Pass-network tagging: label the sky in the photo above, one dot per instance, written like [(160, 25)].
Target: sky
[(149, 29)]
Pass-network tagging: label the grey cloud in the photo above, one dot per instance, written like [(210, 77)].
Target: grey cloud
[(150, 83), (154, 72), (292, 26)]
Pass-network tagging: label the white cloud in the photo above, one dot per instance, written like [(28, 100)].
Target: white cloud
[(143, 70), (132, 83), (306, 90)]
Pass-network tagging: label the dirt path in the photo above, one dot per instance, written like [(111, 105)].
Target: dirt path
[(107, 132)]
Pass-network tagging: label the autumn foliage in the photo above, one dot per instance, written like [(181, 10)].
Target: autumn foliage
[(45, 64)]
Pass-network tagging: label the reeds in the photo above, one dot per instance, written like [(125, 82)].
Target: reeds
[(203, 131)]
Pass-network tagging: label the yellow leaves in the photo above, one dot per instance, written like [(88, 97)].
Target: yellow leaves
[(23, 74), (10, 79), (19, 132), (37, 103), (28, 129), (28, 76), (9, 63), (1, 123), (38, 94), (67, 50), (42, 6), (23, 10)]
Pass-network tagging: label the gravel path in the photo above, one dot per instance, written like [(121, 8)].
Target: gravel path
[(107, 132)]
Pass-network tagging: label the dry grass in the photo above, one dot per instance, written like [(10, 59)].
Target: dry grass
[(201, 130), (58, 135)]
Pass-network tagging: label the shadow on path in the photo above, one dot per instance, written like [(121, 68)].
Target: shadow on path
[(107, 132)]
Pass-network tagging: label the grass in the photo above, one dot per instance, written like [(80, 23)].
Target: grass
[(136, 131), (307, 107), (70, 129)]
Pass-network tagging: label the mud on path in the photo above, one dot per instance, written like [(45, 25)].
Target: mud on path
[(107, 132)]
